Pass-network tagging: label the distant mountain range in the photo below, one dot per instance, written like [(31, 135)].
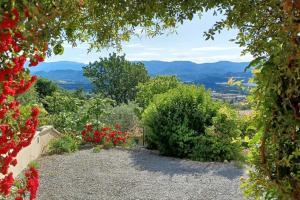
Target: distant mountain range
[(60, 65), (69, 75)]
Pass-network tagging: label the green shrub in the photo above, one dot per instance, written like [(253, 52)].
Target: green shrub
[(247, 125), (63, 144), (130, 143), (156, 85), (174, 119), (45, 87), (97, 149), (124, 115), (69, 114), (184, 122), (219, 143)]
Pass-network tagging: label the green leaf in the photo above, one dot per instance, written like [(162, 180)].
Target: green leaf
[(58, 49)]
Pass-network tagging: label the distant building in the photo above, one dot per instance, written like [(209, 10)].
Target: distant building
[(229, 98)]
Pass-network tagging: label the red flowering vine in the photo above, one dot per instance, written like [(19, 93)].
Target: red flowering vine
[(15, 134), (30, 184), (106, 134)]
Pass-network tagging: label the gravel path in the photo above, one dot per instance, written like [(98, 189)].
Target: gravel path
[(140, 174)]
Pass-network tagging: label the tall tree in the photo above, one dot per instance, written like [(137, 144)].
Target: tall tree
[(116, 77)]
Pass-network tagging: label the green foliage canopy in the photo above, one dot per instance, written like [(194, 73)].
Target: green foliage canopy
[(100, 23)]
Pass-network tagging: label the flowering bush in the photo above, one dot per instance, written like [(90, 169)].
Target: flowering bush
[(29, 183), (16, 132), (105, 135)]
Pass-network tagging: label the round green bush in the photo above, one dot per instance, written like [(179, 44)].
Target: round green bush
[(184, 122), (174, 119)]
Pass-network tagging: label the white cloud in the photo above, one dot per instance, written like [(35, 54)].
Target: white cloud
[(222, 57), (140, 51), (216, 48), (198, 57), (134, 45), (142, 56), (156, 49)]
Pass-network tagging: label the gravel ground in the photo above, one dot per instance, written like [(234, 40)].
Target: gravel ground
[(137, 174)]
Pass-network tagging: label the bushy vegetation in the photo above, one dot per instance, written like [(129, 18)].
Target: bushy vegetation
[(45, 87), (69, 112), (156, 85), (184, 121), (64, 144), (125, 114), (220, 141), (179, 120)]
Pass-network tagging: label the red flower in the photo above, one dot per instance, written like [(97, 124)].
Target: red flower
[(5, 40), (83, 133), (32, 182), (13, 81), (16, 115), (19, 35), (105, 129), (118, 126), (21, 191), (6, 183), (115, 142), (26, 12), (33, 79), (112, 134), (9, 21), (35, 112), (89, 127), (14, 162)]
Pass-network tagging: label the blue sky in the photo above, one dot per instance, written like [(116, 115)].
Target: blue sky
[(187, 44)]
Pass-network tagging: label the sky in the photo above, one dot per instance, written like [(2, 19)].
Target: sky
[(188, 44)]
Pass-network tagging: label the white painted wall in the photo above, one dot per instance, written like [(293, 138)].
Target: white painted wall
[(37, 147)]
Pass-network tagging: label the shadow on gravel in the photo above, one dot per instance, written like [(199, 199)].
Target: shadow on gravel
[(152, 161), (230, 172)]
